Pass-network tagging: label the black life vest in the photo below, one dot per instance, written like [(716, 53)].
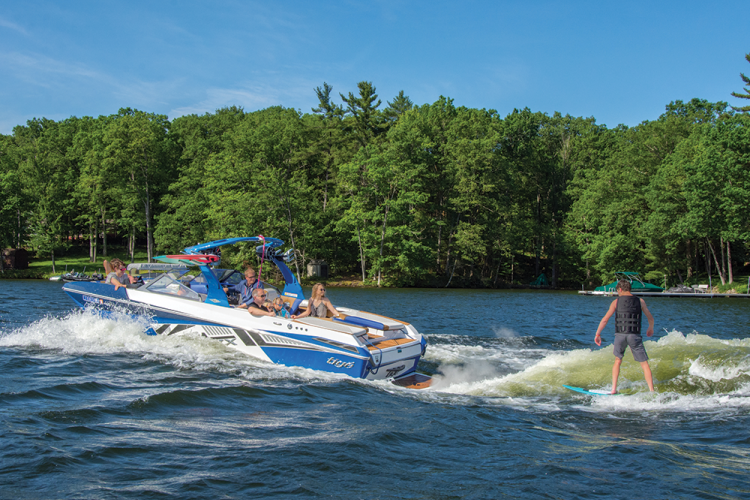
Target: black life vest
[(628, 316)]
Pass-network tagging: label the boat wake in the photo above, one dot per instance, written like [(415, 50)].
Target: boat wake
[(690, 372), (86, 333)]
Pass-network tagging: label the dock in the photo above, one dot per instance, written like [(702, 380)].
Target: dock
[(697, 295)]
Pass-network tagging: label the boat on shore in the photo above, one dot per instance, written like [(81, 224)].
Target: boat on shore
[(180, 301), (75, 276)]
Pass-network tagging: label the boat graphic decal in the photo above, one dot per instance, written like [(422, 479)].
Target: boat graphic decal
[(340, 364), (245, 337), (217, 331), (276, 339), (178, 329), (337, 344)]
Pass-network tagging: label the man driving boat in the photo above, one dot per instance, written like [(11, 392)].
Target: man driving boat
[(245, 288)]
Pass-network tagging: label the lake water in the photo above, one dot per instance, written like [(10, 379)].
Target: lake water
[(94, 408)]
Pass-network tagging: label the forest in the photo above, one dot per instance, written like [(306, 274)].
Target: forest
[(395, 193)]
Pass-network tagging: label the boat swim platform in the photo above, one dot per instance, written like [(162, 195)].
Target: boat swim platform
[(383, 344), (699, 295)]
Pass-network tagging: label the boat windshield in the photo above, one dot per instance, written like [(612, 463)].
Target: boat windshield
[(169, 284)]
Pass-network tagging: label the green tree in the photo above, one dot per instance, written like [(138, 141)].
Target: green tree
[(49, 175), (14, 202), (184, 220), (746, 89), (367, 120), (141, 153)]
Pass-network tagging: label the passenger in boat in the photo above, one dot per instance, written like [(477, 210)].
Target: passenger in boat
[(119, 278), (318, 305), (256, 306), (245, 288), (111, 267), (629, 309), (281, 308)]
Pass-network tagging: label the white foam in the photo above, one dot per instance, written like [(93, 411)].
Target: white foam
[(84, 332), (699, 373), (699, 368)]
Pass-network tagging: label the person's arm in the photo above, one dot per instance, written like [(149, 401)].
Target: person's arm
[(239, 289), (649, 317), (117, 283), (306, 313), (258, 311), (331, 308), (603, 322)]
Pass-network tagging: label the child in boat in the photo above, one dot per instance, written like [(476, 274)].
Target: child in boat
[(281, 308)]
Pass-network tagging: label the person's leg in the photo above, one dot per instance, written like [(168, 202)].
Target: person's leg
[(647, 374), (615, 374)]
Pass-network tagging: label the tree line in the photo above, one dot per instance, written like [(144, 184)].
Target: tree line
[(396, 193)]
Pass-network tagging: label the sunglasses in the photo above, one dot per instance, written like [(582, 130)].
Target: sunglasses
[(264, 295), (123, 269)]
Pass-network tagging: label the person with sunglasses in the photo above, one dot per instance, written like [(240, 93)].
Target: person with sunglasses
[(118, 275), (318, 305), (256, 307)]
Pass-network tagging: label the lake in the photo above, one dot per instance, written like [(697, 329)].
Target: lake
[(94, 408)]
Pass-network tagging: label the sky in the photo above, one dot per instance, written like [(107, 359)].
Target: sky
[(620, 62)]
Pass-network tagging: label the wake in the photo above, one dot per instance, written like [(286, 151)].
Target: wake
[(691, 371)]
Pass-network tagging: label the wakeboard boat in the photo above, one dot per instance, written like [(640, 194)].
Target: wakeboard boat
[(179, 301)]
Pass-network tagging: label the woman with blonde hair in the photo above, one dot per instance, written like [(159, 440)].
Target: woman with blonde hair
[(318, 305)]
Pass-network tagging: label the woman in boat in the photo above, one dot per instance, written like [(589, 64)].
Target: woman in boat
[(318, 305), (118, 278)]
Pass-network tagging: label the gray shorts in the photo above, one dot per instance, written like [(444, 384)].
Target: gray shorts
[(623, 340)]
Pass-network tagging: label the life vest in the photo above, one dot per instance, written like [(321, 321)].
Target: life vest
[(628, 316)]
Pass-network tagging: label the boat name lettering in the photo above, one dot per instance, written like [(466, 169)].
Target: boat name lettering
[(341, 364), (89, 298), (391, 372)]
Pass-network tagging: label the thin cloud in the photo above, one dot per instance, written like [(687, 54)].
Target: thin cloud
[(253, 96), (48, 73), (4, 23)]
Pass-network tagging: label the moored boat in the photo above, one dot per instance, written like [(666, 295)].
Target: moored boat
[(358, 343), (637, 284)]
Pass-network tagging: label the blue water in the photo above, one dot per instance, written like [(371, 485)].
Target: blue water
[(93, 408)]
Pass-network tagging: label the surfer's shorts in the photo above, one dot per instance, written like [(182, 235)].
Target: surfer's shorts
[(623, 340)]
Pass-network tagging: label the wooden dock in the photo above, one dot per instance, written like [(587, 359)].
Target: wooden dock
[(698, 295)]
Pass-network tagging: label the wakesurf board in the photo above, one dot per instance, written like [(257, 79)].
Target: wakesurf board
[(594, 392)]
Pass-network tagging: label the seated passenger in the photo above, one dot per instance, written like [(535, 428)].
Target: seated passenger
[(119, 278), (110, 270), (318, 305), (281, 308), (245, 288), (256, 307)]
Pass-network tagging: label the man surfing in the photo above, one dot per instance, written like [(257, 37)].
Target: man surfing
[(629, 309)]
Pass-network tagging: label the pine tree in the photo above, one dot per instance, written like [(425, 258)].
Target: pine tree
[(746, 95)]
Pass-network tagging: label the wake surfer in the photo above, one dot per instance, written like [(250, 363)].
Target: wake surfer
[(629, 310)]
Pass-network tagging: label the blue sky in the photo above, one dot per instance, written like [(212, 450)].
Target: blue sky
[(620, 62)]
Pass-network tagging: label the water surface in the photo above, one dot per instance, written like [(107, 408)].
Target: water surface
[(95, 408)]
